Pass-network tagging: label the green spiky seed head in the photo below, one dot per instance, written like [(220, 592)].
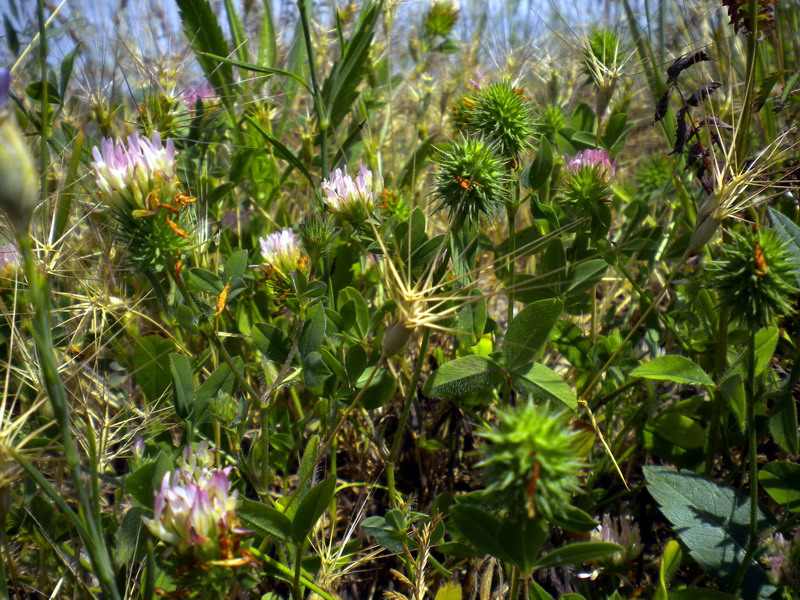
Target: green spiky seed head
[(441, 18), (531, 462), (459, 112), (503, 115), (654, 175), (551, 121), (471, 181), (755, 277)]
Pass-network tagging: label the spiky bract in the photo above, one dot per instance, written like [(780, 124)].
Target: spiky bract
[(472, 180), (755, 277), (503, 115), (531, 462)]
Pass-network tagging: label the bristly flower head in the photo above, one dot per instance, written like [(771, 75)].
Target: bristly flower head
[(587, 186), (503, 116), (282, 252), (551, 121), (10, 260), (441, 18), (591, 159), (755, 277), (138, 181), (352, 199), (531, 460), (195, 514), (19, 182), (472, 181)]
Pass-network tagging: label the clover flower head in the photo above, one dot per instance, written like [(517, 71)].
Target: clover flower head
[(202, 92), (195, 513), (623, 533), (782, 558), (591, 159), (281, 250), (352, 198), (10, 259), (136, 169)]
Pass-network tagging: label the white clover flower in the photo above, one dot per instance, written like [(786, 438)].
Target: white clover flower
[(194, 511), (352, 199), (136, 173), (282, 251)]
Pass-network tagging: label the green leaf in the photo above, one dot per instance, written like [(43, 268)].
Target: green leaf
[(311, 508), (674, 368), (66, 69), (268, 47), (670, 561), (449, 590), (464, 376), (313, 332), (678, 430), (529, 331), (538, 172), (355, 361), (271, 342), (205, 36), (269, 521), (130, 536), (360, 305), (472, 319), (35, 92), (339, 91), (574, 554), (781, 480), (783, 423), (572, 518), (237, 30), (204, 281), (222, 379), (545, 384), (523, 539), (236, 266), (182, 383), (150, 365), (766, 341), (480, 529), (732, 391), (616, 130), (381, 389), (713, 521), (789, 233), (536, 592)]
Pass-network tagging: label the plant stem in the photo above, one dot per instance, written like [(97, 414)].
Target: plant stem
[(322, 119), (515, 578), (742, 139), (752, 451), (297, 592), (720, 362), (511, 211), (398, 436)]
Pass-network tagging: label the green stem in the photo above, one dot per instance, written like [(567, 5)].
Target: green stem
[(398, 436), (297, 592), (752, 451), (322, 119), (511, 212), (44, 130), (57, 396), (742, 140), (515, 579), (720, 363)]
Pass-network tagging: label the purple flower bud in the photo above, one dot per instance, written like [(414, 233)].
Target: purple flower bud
[(282, 250), (5, 84), (352, 199), (592, 159)]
